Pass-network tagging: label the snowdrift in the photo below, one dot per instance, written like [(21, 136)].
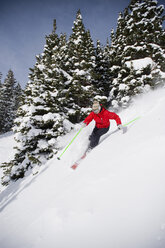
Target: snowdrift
[(115, 198)]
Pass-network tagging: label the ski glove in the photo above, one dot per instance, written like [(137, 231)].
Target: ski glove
[(120, 127), (83, 125)]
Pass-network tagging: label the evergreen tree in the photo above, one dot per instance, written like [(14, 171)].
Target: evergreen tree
[(17, 96), (62, 57), (81, 64), (0, 84), (0, 78), (7, 103), (103, 68), (139, 38), (39, 119)]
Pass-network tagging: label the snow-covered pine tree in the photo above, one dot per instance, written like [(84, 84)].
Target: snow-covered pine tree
[(138, 45), (0, 78), (39, 119), (7, 103), (118, 43), (61, 61), (17, 96), (62, 56), (102, 68), (81, 64), (0, 84), (90, 57)]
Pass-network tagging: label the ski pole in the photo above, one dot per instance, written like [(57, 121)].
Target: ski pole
[(131, 121), (70, 143)]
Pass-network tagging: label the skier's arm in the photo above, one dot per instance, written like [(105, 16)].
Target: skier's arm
[(89, 118), (114, 116)]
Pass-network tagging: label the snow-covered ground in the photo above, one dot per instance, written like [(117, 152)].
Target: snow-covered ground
[(115, 198)]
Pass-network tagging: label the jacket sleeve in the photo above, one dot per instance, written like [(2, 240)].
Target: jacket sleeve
[(89, 118), (114, 116)]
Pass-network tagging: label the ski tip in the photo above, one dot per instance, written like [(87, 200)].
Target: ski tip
[(58, 158), (74, 166)]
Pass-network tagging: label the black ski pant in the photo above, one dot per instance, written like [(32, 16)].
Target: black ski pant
[(95, 136)]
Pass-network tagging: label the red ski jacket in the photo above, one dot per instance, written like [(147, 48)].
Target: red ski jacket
[(102, 118)]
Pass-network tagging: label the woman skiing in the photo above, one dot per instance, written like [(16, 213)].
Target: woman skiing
[(101, 117)]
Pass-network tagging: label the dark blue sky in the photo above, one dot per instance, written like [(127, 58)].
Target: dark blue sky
[(24, 24)]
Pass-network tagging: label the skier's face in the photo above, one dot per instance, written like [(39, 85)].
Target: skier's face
[(96, 107), (96, 111)]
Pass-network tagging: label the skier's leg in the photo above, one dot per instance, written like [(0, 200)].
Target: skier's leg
[(92, 138), (95, 136), (93, 133)]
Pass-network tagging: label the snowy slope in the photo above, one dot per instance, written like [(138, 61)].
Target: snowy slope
[(6, 147), (115, 198)]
